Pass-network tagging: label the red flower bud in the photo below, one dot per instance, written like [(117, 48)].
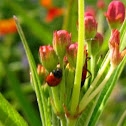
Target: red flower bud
[(72, 54), (90, 27), (48, 57), (61, 41), (101, 4), (96, 44), (115, 38), (115, 14), (116, 56), (41, 72), (91, 10)]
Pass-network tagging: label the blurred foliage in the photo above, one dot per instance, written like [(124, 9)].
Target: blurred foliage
[(38, 32)]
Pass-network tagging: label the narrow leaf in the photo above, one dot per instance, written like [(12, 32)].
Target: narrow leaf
[(8, 115)]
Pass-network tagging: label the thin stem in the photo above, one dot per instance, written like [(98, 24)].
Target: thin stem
[(63, 121), (66, 19), (80, 59), (86, 84), (71, 122), (96, 80), (62, 86), (83, 104), (36, 80), (55, 93), (122, 119), (93, 63)]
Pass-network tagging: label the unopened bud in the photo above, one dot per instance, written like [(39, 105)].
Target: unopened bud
[(96, 44), (101, 4), (90, 27), (115, 14), (61, 41), (48, 57)]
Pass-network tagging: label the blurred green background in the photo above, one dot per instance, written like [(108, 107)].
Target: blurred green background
[(32, 16)]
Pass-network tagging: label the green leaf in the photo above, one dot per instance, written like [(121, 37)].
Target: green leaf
[(70, 19), (8, 115), (106, 93), (36, 82), (28, 110)]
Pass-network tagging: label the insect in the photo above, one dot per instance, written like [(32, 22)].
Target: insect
[(85, 70), (54, 77)]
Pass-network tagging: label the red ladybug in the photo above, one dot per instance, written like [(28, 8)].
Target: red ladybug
[(54, 78)]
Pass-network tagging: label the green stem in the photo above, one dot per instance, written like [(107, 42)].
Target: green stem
[(63, 121), (100, 21), (62, 86), (36, 80), (122, 119), (66, 19), (80, 60), (71, 122), (92, 86), (86, 84), (55, 93), (93, 63), (83, 104)]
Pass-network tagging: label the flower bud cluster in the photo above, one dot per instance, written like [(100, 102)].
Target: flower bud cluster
[(114, 42)]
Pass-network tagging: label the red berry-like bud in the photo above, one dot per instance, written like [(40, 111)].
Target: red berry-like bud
[(61, 41), (48, 57), (101, 4), (96, 44), (87, 14), (115, 38), (115, 14), (90, 27)]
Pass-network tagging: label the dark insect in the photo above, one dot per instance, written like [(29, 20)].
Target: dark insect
[(54, 77), (84, 71)]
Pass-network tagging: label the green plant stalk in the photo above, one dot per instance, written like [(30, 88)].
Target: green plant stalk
[(71, 122), (100, 21), (93, 63), (86, 84), (56, 100), (63, 121), (83, 104), (36, 80), (122, 119), (66, 19), (93, 84), (80, 60)]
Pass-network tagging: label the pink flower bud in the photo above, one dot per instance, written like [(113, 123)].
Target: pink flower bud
[(72, 54), (101, 4), (90, 27), (91, 10), (115, 14), (41, 72), (96, 44), (116, 56), (48, 57), (115, 38), (61, 41)]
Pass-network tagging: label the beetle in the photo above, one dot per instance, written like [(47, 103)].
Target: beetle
[(54, 77)]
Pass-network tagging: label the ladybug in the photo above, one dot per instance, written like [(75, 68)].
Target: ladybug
[(54, 77)]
